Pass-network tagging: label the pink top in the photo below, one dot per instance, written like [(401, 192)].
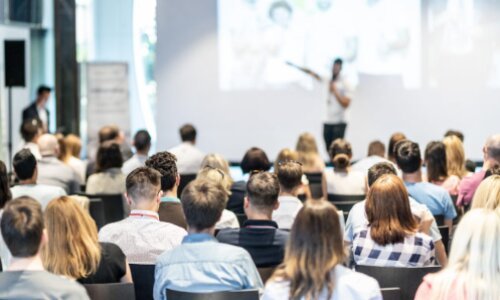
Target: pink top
[(457, 289), (468, 187), (450, 184)]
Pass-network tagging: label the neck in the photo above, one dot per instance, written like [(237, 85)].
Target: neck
[(28, 181), (253, 214), (292, 193), (151, 206), (413, 177), (33, 263), (171, 193), (210, 231), (143, 153)]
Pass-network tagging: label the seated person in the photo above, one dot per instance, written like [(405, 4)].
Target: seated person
[(391, 238), (201, 264), (290, 178), (487, 194), (26, 170), (308, 153), (31, 130), (73, 146), (23, 232), (313, 264), (436, 198), (437, 170), (170, 206), (109, 178), (342, 180), (259, 235), (376, 154), (142, 236), (142, 144), (189, 157), (80, 257)]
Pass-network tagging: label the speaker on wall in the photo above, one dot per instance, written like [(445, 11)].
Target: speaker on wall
[(15, 66)]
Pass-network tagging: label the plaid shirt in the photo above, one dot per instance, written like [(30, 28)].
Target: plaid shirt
[(417, 250)]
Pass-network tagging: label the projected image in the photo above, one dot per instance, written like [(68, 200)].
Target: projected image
[(258, 39)]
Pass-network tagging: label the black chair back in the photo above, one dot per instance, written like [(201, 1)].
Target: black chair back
[(1, 267), (228, 295), (439, 220), (315, 184), (407, 279), (144, 279), (96, 210), (344, 206), (391, 293), (112, 207), (445, 237), (338, 198), (185, 180), (110, 291), (241, 218)]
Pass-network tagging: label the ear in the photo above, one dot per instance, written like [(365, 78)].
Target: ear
[(129, 200), (276, 205), (158, 197), (246, 202), (178, 180)]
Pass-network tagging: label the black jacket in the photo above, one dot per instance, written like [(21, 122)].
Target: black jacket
[(31, 112)]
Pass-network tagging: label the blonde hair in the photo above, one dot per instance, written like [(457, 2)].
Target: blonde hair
[(215, 160), (216, 175), (487, 194), (73, 145), (455, 156), (286, 154), (73, 249), (474, 259), (307, 150)]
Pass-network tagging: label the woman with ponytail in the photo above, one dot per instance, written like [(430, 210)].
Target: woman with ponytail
[(342, 181)]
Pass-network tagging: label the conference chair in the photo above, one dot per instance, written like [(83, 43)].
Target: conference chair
[(266, 273), (344, 206), (112, 206), (96, 211), (439, 219), (110, 291), (315, 184), (445, 236), (143, 277), (406, 279), (391, 293), (337, 198), (241, 218), (227, 295), (185, 180), (1, 267)]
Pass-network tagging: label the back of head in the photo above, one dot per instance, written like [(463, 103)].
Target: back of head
[(456, 133), (306, 143), (108, 133), (340, 153), (73, 145), (376, 148), (263, 190), (5, 194), (22, 226), (73, 249), (48, 145), (408, 156), (143, 185), (435, 160), (289, 175), (315, 247), (203, 204), (108, 156), (391, 150), (24, 163), (165, 163), (188, 133), (487, 194), (388, 211), (255, 159), (142, 140), (378, 170), (31, 129), (285, 155), (216, 175), (492, 149), (218, 162), (455, 156)]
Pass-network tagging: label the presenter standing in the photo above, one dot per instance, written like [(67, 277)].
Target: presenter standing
[(37, 110)]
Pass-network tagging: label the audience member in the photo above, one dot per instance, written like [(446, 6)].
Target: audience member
[(142, 144), (376, 154), (5, 196), (343, 180), (216, 161), (290, 179), (71, 157), (142, 236), (434, 197), (308, 154), (26, 170), (491, 158), (259, 235), (170, 206), (391, 229), (473, 269), (200, 263), (255, 159), (73, 250), (358, 220), (31, 130), (189, 157), (285, 154), (487, 194), (456, 133), (437, 168), (391, 148), (470, 166), (25, 278), (109, 178), (51, 170), (455, 156), (313, 268), (228, 218)]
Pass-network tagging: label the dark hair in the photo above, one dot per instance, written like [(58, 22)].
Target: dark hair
[(22, 226), (30, 128), (456, 133), (377, 170), (255, 159), (495, 170), (188, 133), (263, 190), (143, 183), (108, 156), (43, 89), (5, 194), (279, 4), (470, 166), (203, 202), (142, 140), (435, 160), (289, 174), (165, 163), (340, 153), (391, 148), (338, 60), (408, 156), (376, 148), (24, 164), (108, 133)]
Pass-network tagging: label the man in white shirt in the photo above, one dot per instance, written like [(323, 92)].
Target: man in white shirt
[(376, 154), (142, 144), (142, 236), (189, 157), (290, 179), (26, 170)]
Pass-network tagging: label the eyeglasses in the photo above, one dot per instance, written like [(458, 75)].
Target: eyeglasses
[(284, 162), (209, 167)]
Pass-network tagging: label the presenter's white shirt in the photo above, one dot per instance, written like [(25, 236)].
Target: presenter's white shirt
[(42, 115), (335, 113), (189, 158)]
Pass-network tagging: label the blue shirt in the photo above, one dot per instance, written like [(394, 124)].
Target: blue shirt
[(201, 264), (434, 197)]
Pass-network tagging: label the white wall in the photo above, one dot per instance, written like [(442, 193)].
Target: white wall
[(231, 122)]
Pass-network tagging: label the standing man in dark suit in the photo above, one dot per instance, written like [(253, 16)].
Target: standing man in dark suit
[(37, 109)]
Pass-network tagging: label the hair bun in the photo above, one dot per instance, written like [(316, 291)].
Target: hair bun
[(341, 161)]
